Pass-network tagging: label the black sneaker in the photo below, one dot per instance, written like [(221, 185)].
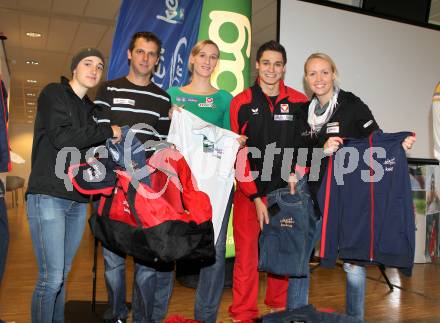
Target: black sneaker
[(113, 321)]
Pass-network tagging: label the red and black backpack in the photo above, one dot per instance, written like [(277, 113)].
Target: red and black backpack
[(163, 222)]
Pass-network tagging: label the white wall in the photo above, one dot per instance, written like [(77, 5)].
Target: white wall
[(391, 66)]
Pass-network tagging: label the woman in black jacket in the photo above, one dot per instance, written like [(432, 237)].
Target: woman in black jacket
[(331, 115), (64, 130)]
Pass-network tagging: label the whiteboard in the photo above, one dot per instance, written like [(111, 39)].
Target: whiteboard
[(393, 67)]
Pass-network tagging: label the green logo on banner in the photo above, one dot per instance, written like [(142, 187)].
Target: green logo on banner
[(228, 24)]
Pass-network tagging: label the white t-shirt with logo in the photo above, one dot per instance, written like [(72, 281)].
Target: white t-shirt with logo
[(210, 152)]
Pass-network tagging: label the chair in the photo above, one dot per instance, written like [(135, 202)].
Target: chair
[(13, 183)]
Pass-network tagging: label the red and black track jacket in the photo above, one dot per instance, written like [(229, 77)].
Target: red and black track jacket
[(267, 126)]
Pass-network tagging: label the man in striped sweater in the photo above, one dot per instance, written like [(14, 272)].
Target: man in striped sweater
[(129, 101)]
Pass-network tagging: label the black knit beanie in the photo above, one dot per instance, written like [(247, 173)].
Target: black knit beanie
[(83, 53)]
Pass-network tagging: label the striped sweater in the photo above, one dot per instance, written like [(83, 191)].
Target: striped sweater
[(123, 103)]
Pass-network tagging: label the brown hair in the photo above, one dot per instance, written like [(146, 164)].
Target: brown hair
[(148, 36), (273, 46)]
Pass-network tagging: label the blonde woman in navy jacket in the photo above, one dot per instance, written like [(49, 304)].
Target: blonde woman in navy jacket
[(331, 115)]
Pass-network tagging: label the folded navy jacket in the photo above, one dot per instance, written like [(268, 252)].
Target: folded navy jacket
[(307, 314), (129, 154)]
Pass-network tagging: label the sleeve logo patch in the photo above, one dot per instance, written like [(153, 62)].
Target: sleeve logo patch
[(367, 124)]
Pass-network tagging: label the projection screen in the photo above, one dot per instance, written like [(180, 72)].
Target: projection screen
[(393, 67)]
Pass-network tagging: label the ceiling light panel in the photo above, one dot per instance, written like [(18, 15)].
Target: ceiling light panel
[(33, 34)]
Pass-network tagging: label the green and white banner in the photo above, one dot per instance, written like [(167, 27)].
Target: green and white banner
[(228, 24)]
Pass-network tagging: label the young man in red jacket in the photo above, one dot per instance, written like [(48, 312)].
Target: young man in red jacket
[(265, 114)]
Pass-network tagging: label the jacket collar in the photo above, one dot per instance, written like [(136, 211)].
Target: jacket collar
[(282, 89), (65, 83)]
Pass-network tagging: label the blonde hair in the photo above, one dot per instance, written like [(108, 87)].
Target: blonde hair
[(198, 47), (326, 58)]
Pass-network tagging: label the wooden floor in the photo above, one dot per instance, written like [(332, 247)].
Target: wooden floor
[(418, 299)]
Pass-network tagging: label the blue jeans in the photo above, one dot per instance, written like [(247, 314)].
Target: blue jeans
[(212, 278), (355, 292), (4, 236), (298, 290), (57, 226), (151, 290)]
